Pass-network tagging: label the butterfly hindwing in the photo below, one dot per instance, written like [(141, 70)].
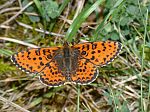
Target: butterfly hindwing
[(86, 73), (51, 76)]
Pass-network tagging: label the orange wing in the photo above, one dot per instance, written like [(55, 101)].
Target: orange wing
[(40, 61), (86, 73), (99, 53), (34, 60), (51, 76)]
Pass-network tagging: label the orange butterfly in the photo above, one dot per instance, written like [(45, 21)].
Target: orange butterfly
[(59, 65)]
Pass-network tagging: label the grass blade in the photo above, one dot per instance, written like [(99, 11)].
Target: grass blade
[(106, 18), (80, 19)]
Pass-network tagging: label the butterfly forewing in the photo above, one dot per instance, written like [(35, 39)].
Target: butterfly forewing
[(34, 60), (99, 53)]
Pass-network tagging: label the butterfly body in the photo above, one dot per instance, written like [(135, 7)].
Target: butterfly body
[(67, 61), (60, 65)]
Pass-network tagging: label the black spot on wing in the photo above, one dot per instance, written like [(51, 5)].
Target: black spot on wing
[(37, 52), (40, 58), (94, 46), (83, 52)]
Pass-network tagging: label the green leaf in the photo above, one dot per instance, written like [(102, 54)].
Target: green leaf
[(51, 8), (114, 36), (133, 10), (125, 20), (113, 9), (24, 3), (108, 27), (30, 9), (34, 18)]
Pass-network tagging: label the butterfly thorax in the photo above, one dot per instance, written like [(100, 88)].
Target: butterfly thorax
[(67, 61)]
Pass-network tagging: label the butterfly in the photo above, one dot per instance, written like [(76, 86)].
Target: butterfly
[(61, 65)]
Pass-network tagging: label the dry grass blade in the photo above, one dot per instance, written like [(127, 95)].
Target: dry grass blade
[(19, 42), (13, 104), (13, 17)]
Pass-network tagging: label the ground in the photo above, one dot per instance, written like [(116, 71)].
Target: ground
[(121, 86)]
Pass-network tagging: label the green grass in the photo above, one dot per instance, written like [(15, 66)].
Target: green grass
[(80, 19), (122, 86)]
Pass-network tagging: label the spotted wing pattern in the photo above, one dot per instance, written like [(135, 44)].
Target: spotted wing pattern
[(51, 76), (99, 53), (33, 60), (86, 73), (40, 61), (89, 56)]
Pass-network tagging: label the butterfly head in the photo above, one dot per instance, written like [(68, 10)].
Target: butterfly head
[(66, 44)]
